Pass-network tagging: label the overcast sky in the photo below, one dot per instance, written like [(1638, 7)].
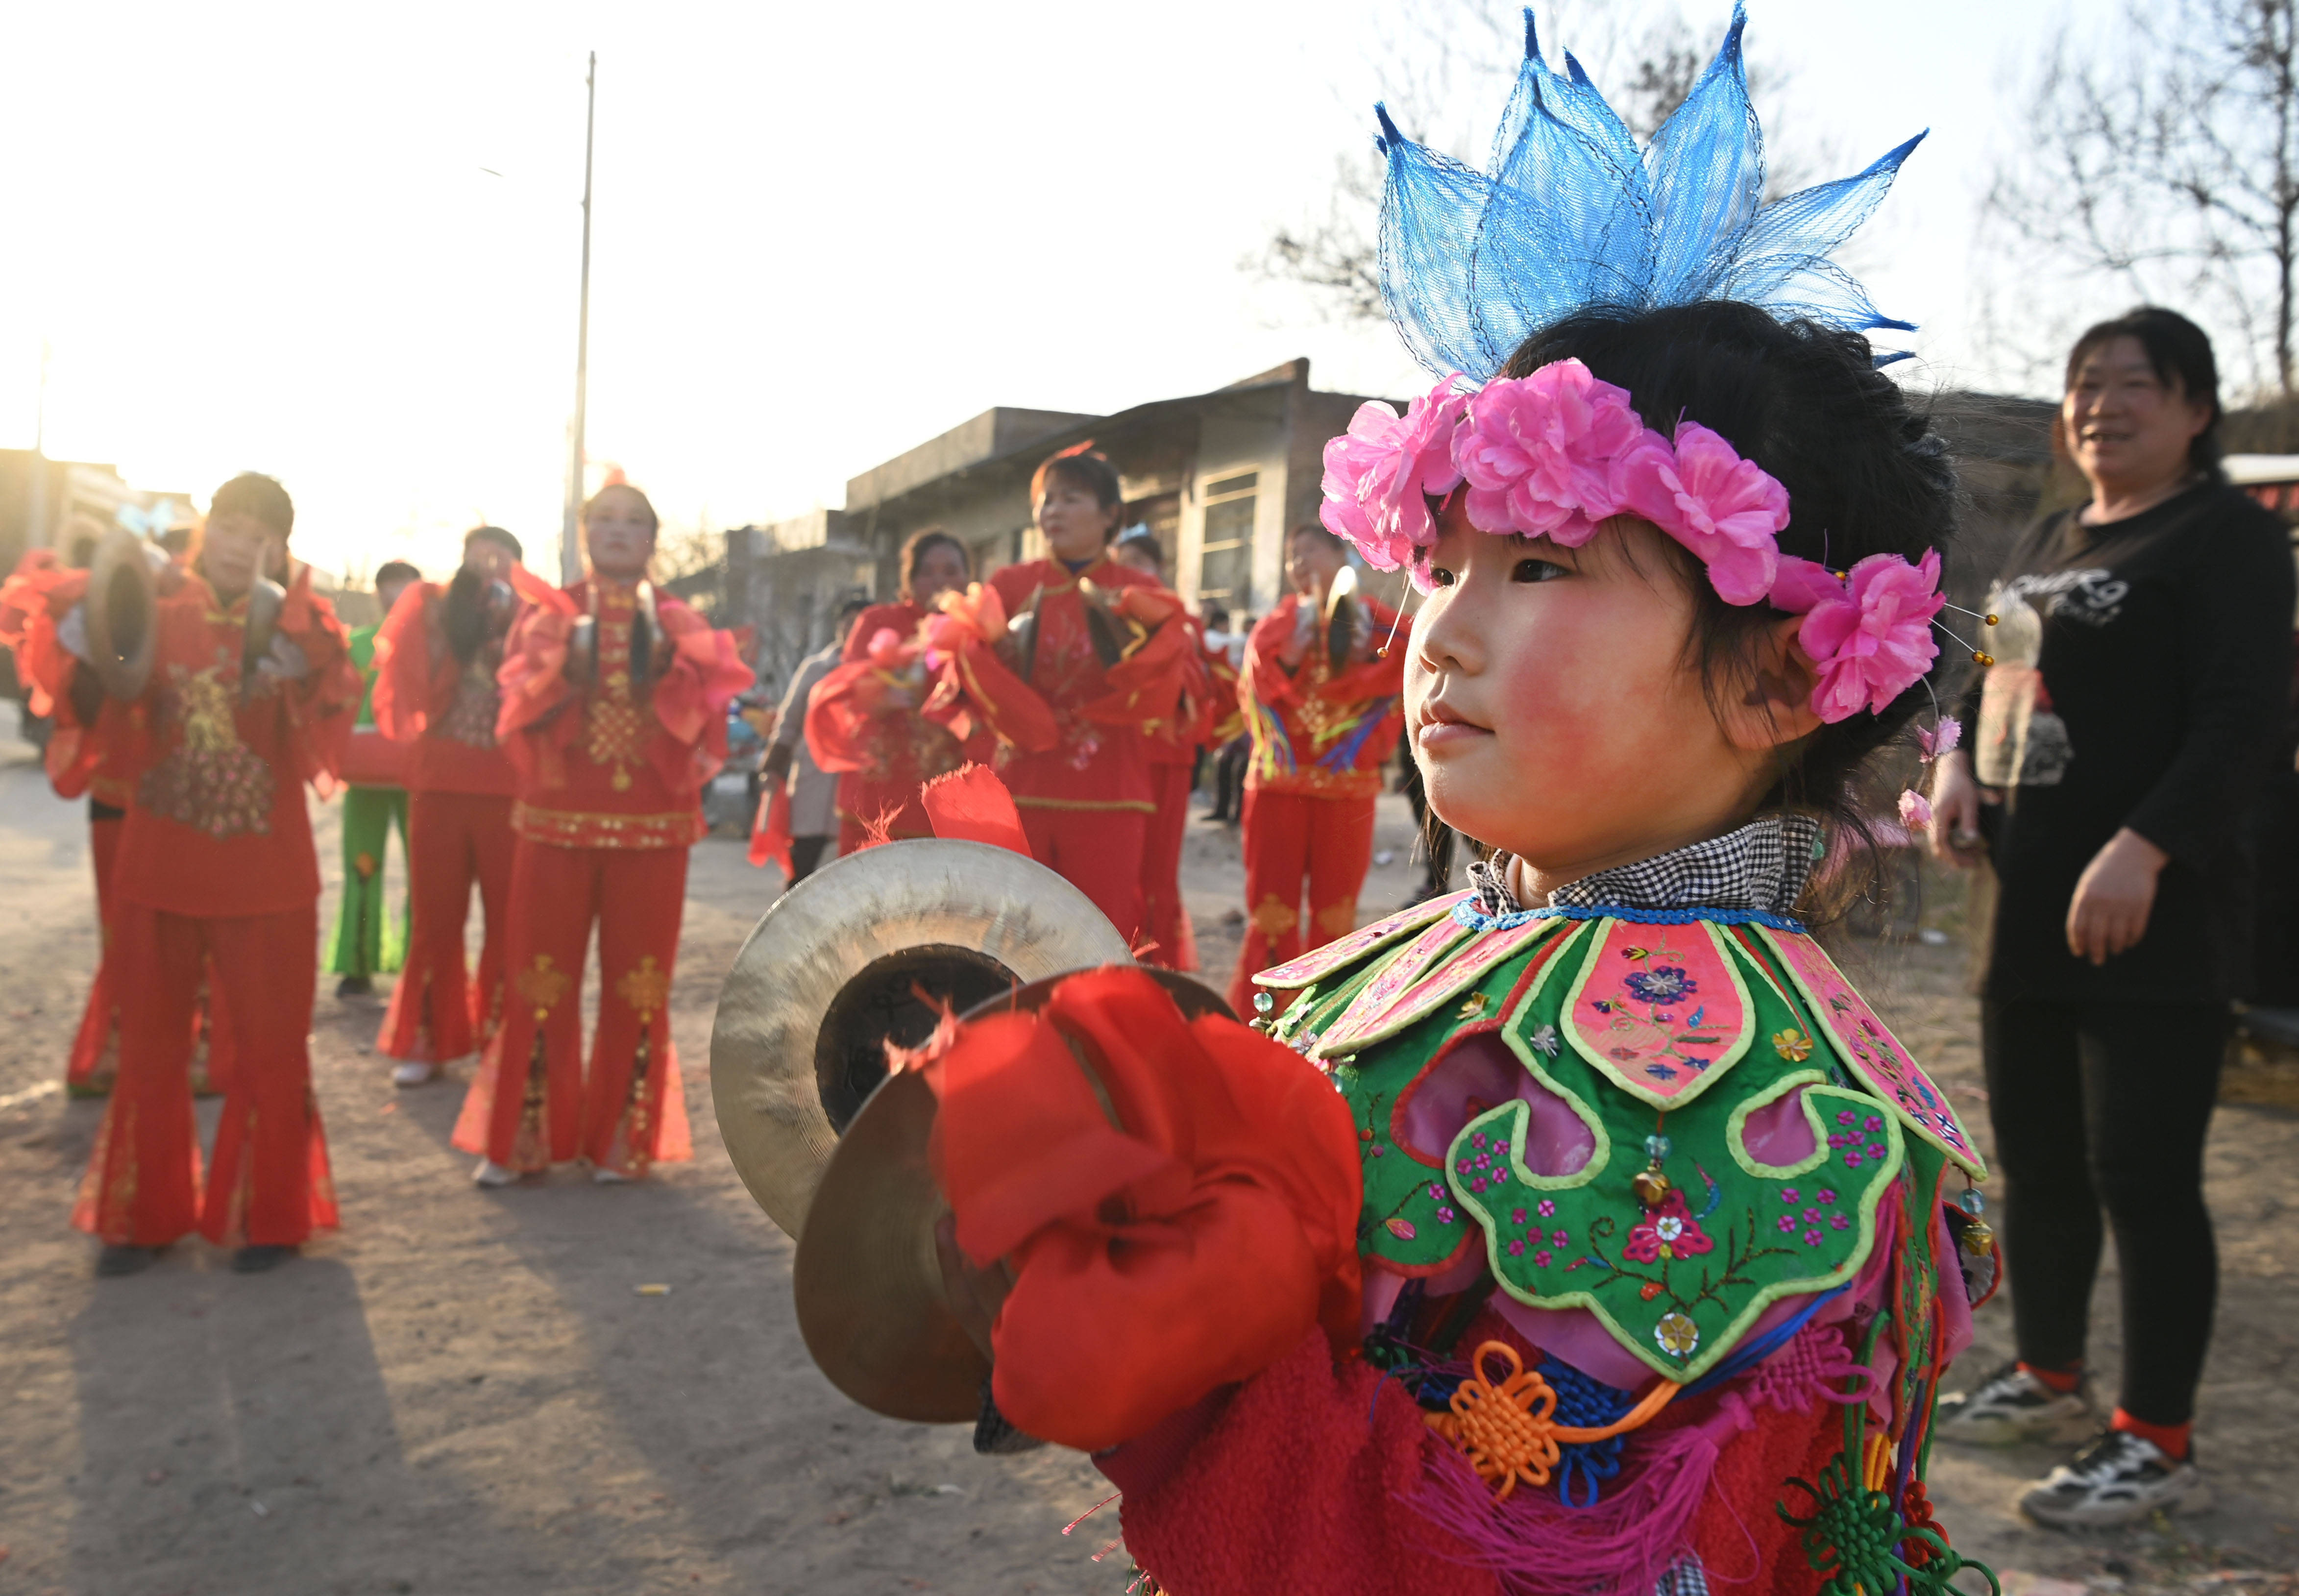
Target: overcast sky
[(344, 252)]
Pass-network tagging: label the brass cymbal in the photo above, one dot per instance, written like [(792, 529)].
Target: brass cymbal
[(122, 625), (836, 967), (867, 1283)]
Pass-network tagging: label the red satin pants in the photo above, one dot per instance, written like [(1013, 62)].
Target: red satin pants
[(455, 841), (1164, 920), (269, 1182), (1097, 851), (1293, 840), (530, 1105)]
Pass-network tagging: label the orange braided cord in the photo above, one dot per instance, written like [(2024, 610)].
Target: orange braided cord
[(1877, 1466), (1507, 1431)]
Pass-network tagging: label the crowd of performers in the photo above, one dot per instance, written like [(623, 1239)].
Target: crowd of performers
[(1095, 693), (545, 750), (546, 746)]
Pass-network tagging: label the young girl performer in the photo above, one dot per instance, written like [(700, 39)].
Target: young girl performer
[(863, 720), (1069, 687), (1320, 703), (1616, 1246), (436, 694), (614, 713)]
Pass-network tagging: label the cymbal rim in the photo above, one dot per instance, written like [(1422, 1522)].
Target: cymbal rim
[(819, 935), (867, 1284)]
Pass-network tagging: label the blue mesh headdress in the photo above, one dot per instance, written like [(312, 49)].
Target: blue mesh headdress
[(1571, 215)]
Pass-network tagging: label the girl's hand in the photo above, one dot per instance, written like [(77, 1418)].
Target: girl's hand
[(1956, 799), (2111, 903)]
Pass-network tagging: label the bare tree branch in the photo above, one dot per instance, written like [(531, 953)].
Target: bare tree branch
[(2164, 165)]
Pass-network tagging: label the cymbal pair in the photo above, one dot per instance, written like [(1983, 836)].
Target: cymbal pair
[(875, 948)]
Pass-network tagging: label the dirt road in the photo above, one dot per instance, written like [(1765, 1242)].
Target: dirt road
[(464, 1390)]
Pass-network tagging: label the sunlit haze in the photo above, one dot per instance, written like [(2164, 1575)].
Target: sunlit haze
[(341, 247)]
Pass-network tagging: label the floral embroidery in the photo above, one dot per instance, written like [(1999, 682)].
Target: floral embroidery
[(210, 780), (1873, 1051), (1656, 1026), (1668, 1231), (1664, 983), (1792, 1045), (645, 988), (1677, 1334), (542, 984)]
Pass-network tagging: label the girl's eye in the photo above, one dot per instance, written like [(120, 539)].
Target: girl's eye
[(1439, 576), (1537, 570)]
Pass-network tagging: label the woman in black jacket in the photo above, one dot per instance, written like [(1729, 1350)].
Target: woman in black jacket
[(2141, 659)]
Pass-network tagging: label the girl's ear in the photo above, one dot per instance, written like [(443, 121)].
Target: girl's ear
[(1773, 706)]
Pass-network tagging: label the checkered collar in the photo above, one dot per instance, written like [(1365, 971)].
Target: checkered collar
[(1762, 865)]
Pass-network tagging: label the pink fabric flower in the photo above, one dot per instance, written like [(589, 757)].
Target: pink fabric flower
[(1871, 637), (1382, 472), (1942, 738), (1915, 811), (1540, 454), (1726, 510)]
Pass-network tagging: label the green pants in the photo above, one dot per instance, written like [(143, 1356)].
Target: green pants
[(363, 943)]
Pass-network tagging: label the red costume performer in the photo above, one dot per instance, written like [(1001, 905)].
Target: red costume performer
[(866, 719), (1071, 728), (1171, 751), (613, 719), (436, 657), (216, 869), (864, 722), (33, 600), (1321, 734)]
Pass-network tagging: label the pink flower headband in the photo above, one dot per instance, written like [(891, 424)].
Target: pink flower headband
[(1557, 454)]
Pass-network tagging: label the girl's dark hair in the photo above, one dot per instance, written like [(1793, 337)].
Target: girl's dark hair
[(919, 544), (1865, 475), (2181, 354), (254, 495), (396, 571), (1142, 537), (654, 522), (496, 536), (1084, 467)]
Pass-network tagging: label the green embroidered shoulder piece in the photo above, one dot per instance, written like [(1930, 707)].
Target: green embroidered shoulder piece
[(1665, 1042)]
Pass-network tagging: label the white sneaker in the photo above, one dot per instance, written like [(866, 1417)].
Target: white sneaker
[(491, 1174), (415, 1072), (610, 1177), (2121, 1478), (2011, 1406)]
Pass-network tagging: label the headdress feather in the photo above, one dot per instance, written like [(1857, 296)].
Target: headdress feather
[(1570, 215)]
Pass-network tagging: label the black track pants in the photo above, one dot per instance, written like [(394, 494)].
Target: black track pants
[(2105, 1105)]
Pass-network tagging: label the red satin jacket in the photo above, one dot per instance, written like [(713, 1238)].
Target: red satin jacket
[(218, 827), (443, 708), (613, 763)]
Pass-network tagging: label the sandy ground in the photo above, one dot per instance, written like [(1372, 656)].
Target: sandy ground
[(465, 1392)]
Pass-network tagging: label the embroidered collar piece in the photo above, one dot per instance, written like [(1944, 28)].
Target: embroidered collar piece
[(1759, 870)]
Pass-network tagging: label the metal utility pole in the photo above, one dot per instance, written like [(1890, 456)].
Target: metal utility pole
[(35, 507), (570, 537)]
